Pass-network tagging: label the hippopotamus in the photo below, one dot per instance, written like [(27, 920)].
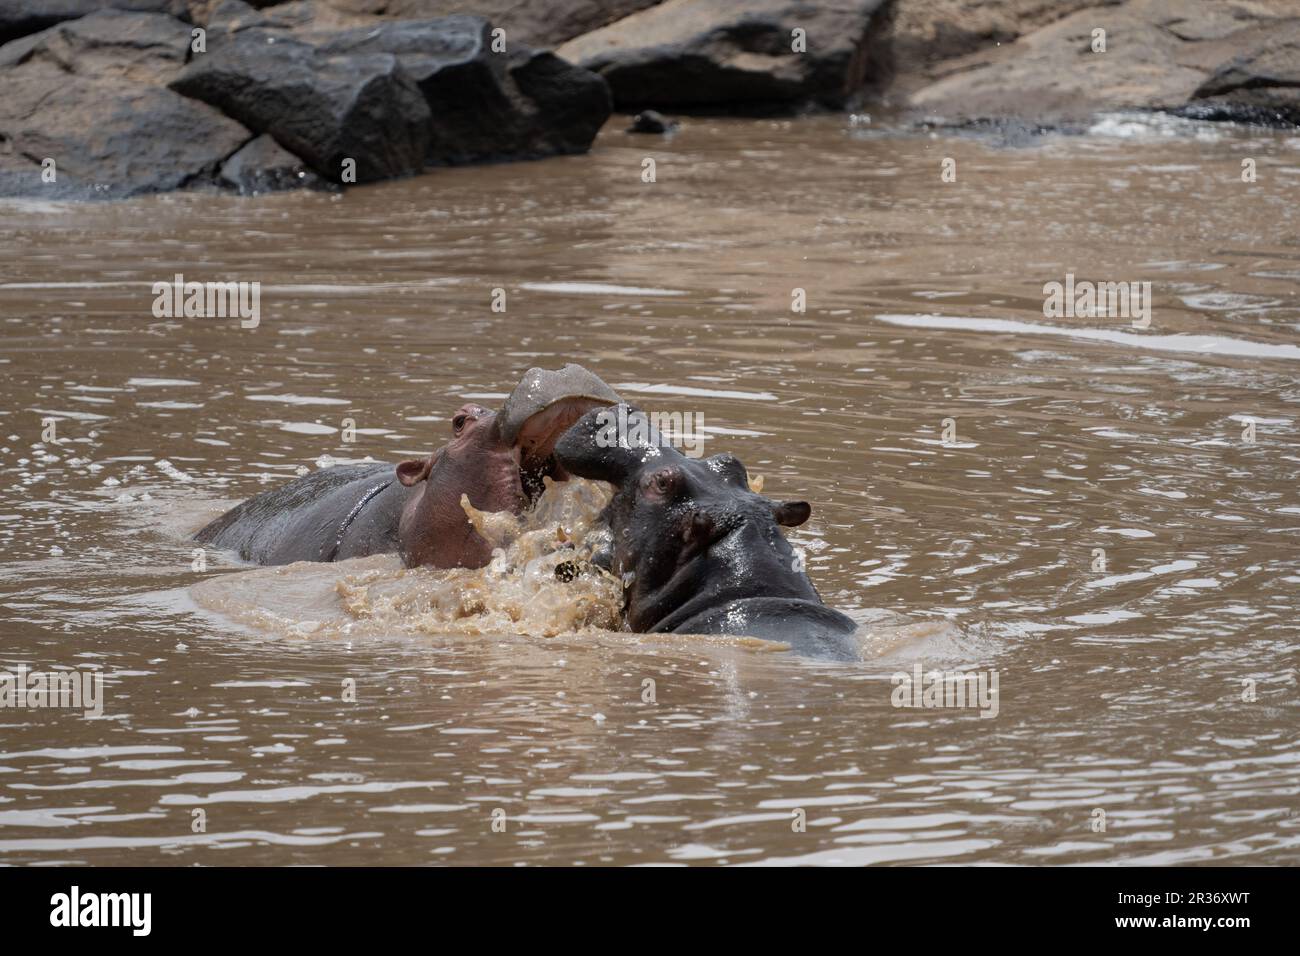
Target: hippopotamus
[(498, 460), (699, 552)]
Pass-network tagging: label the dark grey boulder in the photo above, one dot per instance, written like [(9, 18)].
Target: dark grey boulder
[(382, 100), (265, 166), (19, 18), (566, 105), (651, 121), (724, 56), (143, 47), (487, 105), (328, 109), (462, 81), (109, 138)]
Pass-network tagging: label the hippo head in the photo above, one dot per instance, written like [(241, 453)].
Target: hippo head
[(497, 460), (688, 534)]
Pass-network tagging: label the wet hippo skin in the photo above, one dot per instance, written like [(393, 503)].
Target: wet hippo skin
[(497, 461), (698, 550)]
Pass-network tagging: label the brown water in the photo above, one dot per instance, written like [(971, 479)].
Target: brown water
[(1125, 690)]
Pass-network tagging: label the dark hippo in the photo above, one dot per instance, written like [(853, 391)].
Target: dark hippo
[(699, 552), (497, 460)]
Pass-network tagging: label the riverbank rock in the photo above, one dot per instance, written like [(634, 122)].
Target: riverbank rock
[(86, 112), (222, 17), (352, 118), (272, 95), (19, 18), (1224, 59), (652, 122), (394, 96), (565, 106), (104, 137), (732, 55), (534, 23), (141, 47), (485, 105), (265, 166), (919, 35)]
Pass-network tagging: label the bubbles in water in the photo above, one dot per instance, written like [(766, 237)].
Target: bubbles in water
[(540, 582)]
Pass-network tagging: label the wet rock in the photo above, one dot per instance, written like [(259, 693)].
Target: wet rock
[(87, 95), (354, 104), (472, 116), (265, 166), (19, 18), (720, 55), (482, 104), (1216, 58), (1260, 84), (346, 115), (651, 121), (108, 137), (564, 105)]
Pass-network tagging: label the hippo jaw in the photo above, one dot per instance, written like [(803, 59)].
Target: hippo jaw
[(536, 437), (688, 534), (496, 460), (542, 407), (545, 404)]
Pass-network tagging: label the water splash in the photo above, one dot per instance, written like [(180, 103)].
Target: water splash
[(540, 582)]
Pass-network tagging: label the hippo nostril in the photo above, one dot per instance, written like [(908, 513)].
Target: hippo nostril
[(700, 532), (701, 528)]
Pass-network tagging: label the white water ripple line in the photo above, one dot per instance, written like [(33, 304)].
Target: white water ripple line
[(316, 288), (597, 288), (1212, 345)]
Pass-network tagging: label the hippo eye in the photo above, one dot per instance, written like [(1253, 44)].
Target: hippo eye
[(458, 423)]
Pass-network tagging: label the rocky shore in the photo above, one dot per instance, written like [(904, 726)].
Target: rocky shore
[(114, 98)]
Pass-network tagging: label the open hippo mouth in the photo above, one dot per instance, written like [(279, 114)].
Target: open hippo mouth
[(542, 407), (496, 461)]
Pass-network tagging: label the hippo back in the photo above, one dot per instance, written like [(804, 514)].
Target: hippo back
[(810, 628), (300, 520)]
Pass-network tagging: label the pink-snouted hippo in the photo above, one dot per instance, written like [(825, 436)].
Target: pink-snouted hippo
[(496, 459)]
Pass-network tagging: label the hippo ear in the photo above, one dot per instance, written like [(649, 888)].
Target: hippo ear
[(611, 444), (415, 470), (791, 513)]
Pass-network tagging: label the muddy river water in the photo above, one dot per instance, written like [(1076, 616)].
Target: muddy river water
[(1108, 524)]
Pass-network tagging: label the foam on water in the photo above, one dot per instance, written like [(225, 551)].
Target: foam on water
[(540, 582), (1208, 345)]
